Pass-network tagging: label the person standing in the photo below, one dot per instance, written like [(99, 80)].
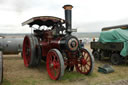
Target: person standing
[(81, 44)]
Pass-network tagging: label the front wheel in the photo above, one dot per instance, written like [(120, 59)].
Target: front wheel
[(86, 62), (96, 55), (55, 64)]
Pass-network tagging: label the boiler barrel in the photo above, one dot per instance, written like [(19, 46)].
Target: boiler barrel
[(1, 67), (11, 45)]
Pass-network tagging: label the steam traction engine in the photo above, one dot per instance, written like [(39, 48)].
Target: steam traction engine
[(56, 46)]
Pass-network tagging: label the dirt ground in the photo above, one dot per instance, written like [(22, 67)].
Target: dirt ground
[(15, 73)]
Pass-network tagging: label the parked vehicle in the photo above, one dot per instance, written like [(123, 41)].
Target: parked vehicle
[(56, 46), (112, 43)]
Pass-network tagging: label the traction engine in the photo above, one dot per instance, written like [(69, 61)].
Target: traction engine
[(53, 42)]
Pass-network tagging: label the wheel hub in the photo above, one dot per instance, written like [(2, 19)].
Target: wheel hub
[(56, 65), (84, 62), (27, 52), (51, 65)]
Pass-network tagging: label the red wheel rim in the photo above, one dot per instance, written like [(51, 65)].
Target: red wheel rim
[(53, 65), (85, 64), (26, 51)]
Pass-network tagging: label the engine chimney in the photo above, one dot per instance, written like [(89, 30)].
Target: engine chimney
[(68, 17)]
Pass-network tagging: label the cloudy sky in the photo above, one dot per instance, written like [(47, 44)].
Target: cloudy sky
[(87, 15)]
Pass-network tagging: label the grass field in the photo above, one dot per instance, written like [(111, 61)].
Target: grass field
[(15, 73)]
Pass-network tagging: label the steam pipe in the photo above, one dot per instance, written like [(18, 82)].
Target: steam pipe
[(68, 17)]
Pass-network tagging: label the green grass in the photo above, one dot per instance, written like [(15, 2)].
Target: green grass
[(6, 82), (14, 75), (68, 77), (72, 76)]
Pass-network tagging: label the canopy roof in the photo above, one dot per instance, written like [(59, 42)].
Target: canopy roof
[(115, 27), (44, 20)]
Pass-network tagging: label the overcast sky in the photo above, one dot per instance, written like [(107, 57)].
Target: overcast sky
[(87, 15)]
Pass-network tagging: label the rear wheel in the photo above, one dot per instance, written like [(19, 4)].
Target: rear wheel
[(55, 64), (116, 59), (86, 63), (30, 54)]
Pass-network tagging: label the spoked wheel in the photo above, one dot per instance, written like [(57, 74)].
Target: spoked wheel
[(29, 51), (1, 67), (86, 62), (116, 59), (55, 64)]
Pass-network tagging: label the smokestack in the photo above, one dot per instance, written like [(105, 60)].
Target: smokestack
[(68, 17)]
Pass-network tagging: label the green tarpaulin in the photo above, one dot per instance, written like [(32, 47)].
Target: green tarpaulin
[(116, 35)]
